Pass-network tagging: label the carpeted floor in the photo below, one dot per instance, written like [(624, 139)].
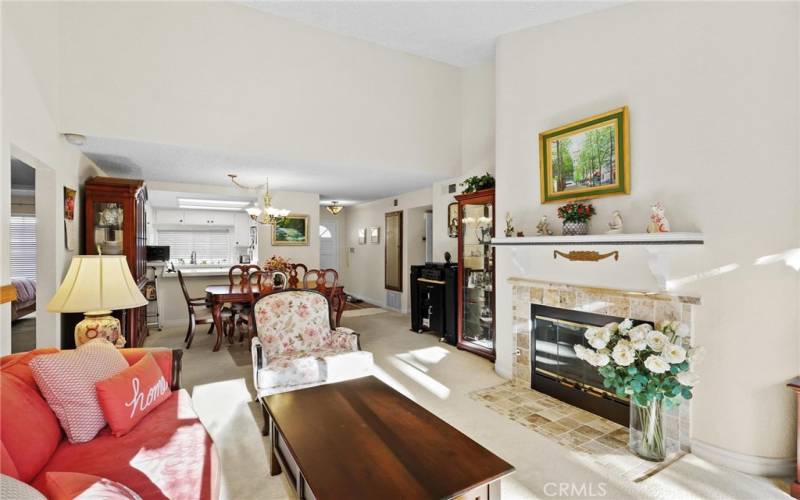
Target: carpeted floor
[(23, 334), (440, 378)]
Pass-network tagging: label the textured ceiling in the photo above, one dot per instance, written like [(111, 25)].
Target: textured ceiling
[(166, 163), (458, 33)]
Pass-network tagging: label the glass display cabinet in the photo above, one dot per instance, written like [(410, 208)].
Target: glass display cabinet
[(476, 301), (115, 224)]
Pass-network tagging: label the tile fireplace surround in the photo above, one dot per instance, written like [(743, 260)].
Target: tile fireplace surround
[(645, 306)]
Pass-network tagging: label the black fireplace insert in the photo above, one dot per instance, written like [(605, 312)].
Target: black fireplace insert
[(556, 370)]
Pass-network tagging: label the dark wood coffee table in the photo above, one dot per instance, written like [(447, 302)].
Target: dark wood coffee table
[(363, 439)]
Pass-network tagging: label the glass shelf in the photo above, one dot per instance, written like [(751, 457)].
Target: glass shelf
[(477, 278)]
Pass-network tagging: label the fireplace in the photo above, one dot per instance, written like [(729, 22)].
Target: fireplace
[(556, 371)]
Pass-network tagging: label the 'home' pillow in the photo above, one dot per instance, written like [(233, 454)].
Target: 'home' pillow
[(130, 395), (66, 380)]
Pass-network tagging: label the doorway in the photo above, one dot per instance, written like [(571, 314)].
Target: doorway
[(329, 244), (23, 255)]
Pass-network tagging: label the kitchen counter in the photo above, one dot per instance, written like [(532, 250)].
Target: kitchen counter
[(200, 271)]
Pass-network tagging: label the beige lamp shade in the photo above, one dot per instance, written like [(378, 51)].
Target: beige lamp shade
[(97, 283)]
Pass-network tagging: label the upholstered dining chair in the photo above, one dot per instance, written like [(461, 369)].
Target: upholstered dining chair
[(200, 314), (265, 282), (297, 346)]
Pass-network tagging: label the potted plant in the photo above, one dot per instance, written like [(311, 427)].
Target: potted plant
[(478, 183), (576, 217), (652, 368)]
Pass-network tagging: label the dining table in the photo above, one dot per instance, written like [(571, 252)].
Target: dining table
[(219, 295)]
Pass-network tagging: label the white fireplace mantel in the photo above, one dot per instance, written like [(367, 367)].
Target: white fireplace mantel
[(659, 239), (658, 246)]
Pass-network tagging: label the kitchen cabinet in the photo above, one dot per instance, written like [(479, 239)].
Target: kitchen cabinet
[(169, 216), (207, 217)]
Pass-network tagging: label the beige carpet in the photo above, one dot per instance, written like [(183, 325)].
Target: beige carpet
[(440, 378)]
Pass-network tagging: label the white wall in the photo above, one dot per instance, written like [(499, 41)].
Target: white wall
[(31, 133), (226, 77), (477, 149), (713, 96), (299, 204), (365, 271)]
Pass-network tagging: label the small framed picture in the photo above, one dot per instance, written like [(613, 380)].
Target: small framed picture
[(69, 203), (452, 220), (374, 235), (362, 236)]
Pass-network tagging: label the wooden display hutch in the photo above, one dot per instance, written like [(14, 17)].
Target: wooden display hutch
[(476, 274), (115, 224)]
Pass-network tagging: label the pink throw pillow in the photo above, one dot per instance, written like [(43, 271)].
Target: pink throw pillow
[(66, 380), (75, 485), (130, 395)]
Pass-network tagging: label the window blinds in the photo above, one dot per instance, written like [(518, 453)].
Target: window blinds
[(209, 244), (23, 246)]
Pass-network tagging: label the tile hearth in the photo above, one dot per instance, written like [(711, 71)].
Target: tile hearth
[(592, 437)]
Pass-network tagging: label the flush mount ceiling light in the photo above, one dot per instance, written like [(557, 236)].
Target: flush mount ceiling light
[(192, 203), (266, 214), (75, 139), (334, 208)]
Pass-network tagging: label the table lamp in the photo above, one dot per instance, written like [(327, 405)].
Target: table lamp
[(95, 285)]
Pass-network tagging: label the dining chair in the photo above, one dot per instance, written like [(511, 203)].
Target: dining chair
[(295, 278), (240, 279), (325, 282), (199, 314), (322, 280), (265, 282)]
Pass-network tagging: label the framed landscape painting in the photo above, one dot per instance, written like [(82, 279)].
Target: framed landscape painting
[(586, 159), (291, 230)]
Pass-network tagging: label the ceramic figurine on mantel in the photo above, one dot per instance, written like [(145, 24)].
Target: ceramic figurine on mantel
[(576, 217), (509, 225), (658, 221), (615, 226), (543, 227)]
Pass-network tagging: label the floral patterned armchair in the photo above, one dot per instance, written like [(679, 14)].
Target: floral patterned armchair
[(298, 347)]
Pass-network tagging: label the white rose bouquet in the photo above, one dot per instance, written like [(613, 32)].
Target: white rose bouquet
[(651, 367)]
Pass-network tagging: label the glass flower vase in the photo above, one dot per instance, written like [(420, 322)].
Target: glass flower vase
[(653, 431)]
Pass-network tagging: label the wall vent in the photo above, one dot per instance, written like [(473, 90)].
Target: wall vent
[(394, 300), (451, 188)]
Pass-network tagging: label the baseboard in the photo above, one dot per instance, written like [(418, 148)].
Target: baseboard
[(370, 300), (749, 464), (503, 373)]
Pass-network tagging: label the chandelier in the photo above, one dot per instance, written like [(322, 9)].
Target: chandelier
[(334, 208), (266, 214)]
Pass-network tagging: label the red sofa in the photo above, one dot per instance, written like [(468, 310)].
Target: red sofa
[(168, 454)]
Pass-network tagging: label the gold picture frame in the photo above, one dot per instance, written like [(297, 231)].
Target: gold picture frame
[(589, 158), (291, 230)]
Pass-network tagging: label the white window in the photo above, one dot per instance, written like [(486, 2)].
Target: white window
[(324, 232), (23, 246), (214, 246)]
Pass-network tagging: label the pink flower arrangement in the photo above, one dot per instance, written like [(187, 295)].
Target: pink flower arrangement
[(278, 263)]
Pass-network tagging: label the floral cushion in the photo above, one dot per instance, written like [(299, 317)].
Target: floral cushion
[(344, 338), (293, 321), (299, 367)]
